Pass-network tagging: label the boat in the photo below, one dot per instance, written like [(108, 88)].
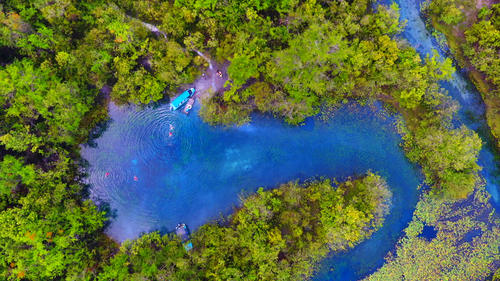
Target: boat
[(189, 106), (182, 99), (182, 232)]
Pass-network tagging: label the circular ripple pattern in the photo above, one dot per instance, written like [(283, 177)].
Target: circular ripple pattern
[(146, 144), (152, 180), (206, 195), (148, 134)]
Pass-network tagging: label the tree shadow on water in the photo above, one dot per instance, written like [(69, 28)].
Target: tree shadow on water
[(109, 213), (97, 132)]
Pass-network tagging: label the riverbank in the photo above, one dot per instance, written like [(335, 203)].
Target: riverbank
[(456, 40), (447, 239), (279, 234)]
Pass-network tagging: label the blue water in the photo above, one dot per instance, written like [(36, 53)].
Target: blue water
[(428, 232), (153, 181), (471, 112), (197, 175)]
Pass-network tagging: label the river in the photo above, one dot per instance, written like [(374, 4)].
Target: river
[(366, 258), (152, 180), (472, 108)]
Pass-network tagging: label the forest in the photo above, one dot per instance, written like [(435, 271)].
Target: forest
[(62, 61)]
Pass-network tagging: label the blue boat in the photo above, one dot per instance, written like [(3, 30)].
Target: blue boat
[(182, 99)]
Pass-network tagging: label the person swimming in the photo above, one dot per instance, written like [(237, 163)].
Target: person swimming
[(171, 127), (136, 178), (170, 134), (107, 174)]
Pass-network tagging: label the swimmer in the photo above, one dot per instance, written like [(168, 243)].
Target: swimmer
[(136, 178), (107, 174), (171, 127), (170, 134)]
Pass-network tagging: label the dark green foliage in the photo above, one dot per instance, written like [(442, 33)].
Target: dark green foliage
[(151, 257), (286, 57), (41, 109), (276, 235), (13, 174), (215, 112), (46, 230), (98, 43), (324, 56)]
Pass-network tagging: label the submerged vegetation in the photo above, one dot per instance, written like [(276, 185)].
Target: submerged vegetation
[(278, 234), (286, 57)]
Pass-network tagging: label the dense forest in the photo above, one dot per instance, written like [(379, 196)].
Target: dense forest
[(62, 61)]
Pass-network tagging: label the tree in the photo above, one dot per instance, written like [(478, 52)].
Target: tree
[(41, 108)]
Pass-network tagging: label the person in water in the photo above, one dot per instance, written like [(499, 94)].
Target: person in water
[(136, 178), (170, 133), (107, 174)]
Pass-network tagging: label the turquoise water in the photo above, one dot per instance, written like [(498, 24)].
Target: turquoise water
[(152, 181)]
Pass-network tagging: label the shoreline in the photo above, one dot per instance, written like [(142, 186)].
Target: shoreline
[(455, 37)]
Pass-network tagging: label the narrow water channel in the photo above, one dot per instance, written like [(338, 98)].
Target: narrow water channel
[(460, 88), (367, 257)]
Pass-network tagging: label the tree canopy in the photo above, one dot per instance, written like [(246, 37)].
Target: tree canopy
[(278, 234), (62, 61)]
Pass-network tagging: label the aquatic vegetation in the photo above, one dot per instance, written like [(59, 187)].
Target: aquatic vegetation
[(472, 32), (466, 246), (279, 234)]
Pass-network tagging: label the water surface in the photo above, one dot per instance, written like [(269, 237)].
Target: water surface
[(153, 181)]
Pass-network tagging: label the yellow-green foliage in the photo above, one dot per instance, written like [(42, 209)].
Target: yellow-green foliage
[(482, 47), (325, 56), (473, 38), (278, 234), (451, 255), (448, 11), (448, 158), (289, 57)]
